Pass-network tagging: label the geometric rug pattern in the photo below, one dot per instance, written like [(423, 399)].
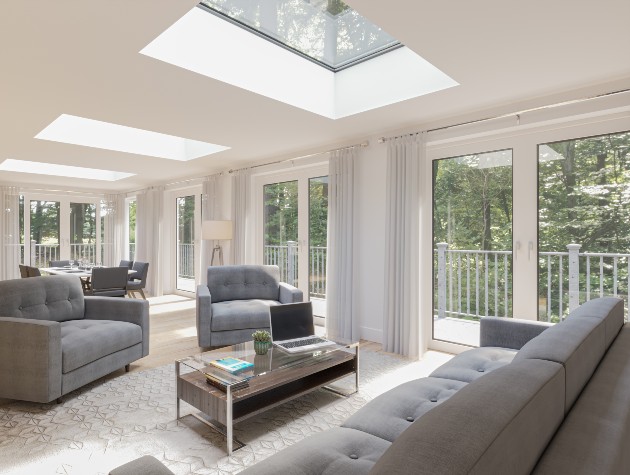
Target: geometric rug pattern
[(127, 415)]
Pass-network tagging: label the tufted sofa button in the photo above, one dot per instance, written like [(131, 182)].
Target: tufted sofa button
[(354, 456), (433, 399), (46, 302), (68, 299), (481, 370), (20, 307), (410, 419)]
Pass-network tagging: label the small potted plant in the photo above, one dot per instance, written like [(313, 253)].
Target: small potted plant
[(262, 341)]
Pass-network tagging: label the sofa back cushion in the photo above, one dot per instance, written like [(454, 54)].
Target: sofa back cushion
[(500, 423), (578, 343), (55, 298), (244, 282)]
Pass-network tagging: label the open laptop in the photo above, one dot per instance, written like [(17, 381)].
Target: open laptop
[(292, 328)]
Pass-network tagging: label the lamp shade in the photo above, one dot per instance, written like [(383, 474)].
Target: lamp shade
[(216, 230)]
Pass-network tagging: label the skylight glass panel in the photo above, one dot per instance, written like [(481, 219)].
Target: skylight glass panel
[(95, 133), (328, 32), (40, 168)]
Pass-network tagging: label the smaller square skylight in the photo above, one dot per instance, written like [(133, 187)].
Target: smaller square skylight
[(40, 168), (94, 133), (327, 32)]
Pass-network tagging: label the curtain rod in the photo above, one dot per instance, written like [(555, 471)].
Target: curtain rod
[(359, 145), (502, 116)]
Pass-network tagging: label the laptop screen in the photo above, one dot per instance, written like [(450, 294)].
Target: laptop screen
[(294, 320)]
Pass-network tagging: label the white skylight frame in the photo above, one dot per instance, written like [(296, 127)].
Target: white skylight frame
[(76, 130), (206, 44), (53, 169)]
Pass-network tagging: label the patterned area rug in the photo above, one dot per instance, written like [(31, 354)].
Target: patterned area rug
[(119, 418)]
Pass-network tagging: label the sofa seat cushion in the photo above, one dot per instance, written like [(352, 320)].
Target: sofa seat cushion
[(336, 451), (85, 341), (498, 424), (391, 413), (241, 314), (473, 364), (595, 435)]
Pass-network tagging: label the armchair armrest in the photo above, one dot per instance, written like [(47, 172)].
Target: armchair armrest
[(30, 359), (290, 294), (203, 315), (509, 332), (121, 310)]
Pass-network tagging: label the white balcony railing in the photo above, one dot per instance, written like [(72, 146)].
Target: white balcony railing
[(475, 283), (286, 258)]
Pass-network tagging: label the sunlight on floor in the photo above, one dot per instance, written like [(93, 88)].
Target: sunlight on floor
[(414, 370), (170, 303)]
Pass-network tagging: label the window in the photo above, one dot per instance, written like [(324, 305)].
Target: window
[(326, 32), (583, 222)]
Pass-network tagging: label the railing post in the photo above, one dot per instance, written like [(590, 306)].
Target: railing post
[(441, 279), (574, 276), (291, 248), (33, 250)]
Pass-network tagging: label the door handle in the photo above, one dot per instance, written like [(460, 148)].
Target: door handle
[(517, 247)]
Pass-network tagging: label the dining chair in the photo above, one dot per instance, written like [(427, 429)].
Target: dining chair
[(108, 282), (58, 263), (127, 264), (138, 281), (29, 271)]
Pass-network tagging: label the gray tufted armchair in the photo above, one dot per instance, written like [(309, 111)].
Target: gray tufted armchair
[(236, 302)]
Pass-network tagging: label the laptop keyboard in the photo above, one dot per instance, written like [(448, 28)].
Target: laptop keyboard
[(307, 341)]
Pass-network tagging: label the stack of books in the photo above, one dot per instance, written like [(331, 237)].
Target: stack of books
[(227, 373)]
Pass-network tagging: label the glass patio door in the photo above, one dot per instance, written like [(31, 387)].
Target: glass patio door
[(472, 243), (186, 211), (60, 229), (292, 225), (584, 222)]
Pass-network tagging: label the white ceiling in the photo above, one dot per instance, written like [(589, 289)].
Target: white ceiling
[(82, 58)]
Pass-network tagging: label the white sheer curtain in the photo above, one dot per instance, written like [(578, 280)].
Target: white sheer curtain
[(241, 185), (208, 212), (149, 212), (113, 212), (401, 325), (10, 232), (341, 322)]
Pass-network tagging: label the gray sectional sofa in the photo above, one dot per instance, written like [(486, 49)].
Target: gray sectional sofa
[(532, 399), (236, 302), (54, 340)]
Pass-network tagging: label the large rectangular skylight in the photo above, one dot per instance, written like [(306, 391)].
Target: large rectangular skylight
[(209, 45), (94, 133), (328, 32), (40, 168)]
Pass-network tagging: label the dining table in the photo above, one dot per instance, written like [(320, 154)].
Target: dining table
[(84, 273)]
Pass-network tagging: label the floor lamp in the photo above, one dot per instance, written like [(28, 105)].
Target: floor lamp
[(216, 231)]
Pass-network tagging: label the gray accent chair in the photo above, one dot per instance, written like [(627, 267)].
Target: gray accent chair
[(109, 282), (236, 302), (138, 281), (54, 340)]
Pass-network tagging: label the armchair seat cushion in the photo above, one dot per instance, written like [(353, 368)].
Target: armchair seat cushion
[(85, 341), (241, 314)]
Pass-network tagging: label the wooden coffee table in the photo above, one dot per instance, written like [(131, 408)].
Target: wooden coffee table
[(275, 378)]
